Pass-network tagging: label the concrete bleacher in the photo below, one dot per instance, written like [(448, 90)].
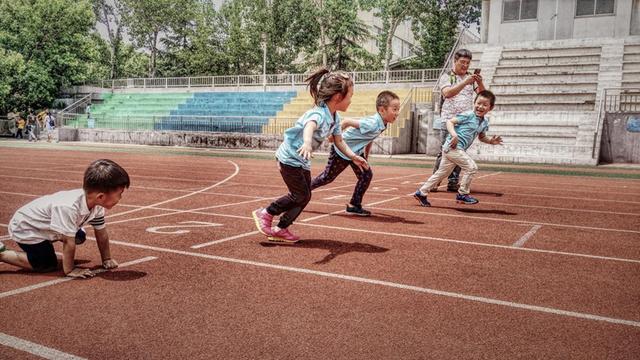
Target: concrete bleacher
[(226, 111), (201, 111), (547, 95)]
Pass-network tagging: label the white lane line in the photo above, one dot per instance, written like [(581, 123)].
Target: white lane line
[(176, 211), (35, 349), (335, 197), (5, 237), (224, 240), (341, 211), (237, 170), (527, 236), (65, 279), (358, 279)]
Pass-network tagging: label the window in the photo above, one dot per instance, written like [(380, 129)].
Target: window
[(594, 7), (516, 10)]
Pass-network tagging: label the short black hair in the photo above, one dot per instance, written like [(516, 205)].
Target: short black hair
[(385, 98), (487, 94), (105, 176), (462, 53)]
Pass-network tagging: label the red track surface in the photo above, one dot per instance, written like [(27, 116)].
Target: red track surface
[(409, 282)]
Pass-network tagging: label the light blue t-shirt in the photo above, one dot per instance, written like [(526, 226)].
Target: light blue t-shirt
[(294, 136), (468, 127), (358, 139)]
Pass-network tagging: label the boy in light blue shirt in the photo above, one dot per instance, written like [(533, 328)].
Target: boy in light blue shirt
[(359, 137), (462, 131)]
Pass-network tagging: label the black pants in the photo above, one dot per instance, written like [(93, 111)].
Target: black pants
[(455, 174), (298, 182), (335, 166), (19, 134)]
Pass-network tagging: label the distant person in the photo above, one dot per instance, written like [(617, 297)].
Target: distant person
[(20, 123), (88, 110), (50, 125), (458, 88), (32, 126), (61, 216)]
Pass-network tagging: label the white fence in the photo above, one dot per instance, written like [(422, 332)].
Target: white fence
[(359, 77)]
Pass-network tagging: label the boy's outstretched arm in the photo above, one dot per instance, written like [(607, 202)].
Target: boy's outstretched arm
[(344, 148), (495, 140), (349, 122), (102, 238), (68, 260), (452, 130)]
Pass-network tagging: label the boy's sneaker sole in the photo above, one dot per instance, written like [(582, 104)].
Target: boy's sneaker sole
[(280, 240)]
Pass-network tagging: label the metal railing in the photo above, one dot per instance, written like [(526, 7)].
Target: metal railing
[(614, 100), (292, 80)]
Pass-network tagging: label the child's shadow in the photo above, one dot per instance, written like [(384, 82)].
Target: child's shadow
[(335, 248), (121, 275), (477, 211), (383, 218)]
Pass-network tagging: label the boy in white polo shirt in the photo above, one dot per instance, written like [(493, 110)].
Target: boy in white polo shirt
[(359, 137), (60, 217)]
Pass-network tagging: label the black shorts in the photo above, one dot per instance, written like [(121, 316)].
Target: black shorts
[(42, 257)]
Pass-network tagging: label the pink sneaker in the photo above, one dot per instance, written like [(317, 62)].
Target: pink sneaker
[(263, 221), (283, 235)]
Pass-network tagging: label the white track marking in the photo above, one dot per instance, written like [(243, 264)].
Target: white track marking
[(335, 197), (65, 279), (225, 239), (35, 349), (358, 279), (181, 227), (237, 170), (527, 236)]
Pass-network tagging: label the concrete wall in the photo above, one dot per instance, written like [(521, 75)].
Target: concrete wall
[(621, 139), (382, 145), (624, 22)]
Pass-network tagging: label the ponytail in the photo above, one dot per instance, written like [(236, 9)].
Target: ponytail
[(323, 84)]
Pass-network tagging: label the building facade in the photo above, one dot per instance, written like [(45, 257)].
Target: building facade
[(508, 21)]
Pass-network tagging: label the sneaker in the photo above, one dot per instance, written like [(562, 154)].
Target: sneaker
[(283, 236), (263, 221), (466, 199), (453, 187), (422, 199), (357, 210)]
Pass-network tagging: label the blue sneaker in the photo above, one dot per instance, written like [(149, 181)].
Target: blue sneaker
[(422, 199), (466, 199)]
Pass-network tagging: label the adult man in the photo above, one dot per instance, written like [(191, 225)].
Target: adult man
[(458, 87)]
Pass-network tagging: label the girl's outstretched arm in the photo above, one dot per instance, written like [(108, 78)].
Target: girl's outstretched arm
[(344, 148), (306, 150)]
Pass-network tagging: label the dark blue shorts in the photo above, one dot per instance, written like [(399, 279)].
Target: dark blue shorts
[(41, 256)]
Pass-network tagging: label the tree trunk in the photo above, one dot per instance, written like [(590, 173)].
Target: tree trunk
[(154, 51), (389, 42)]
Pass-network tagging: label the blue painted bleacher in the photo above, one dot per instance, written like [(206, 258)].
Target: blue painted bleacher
[(226, 111)]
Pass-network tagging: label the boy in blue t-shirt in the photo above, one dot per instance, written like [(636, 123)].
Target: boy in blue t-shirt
[(462, 131), (359, 137)]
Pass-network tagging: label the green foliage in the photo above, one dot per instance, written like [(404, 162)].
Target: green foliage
[(53, 41), (436, 28)]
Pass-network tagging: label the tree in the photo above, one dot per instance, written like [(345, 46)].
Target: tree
[(109, 14), (48, 45), (148, 20), (436, 27), (344, 34), (391, 13)]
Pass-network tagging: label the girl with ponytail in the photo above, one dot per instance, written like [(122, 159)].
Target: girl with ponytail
[(331, 92)]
